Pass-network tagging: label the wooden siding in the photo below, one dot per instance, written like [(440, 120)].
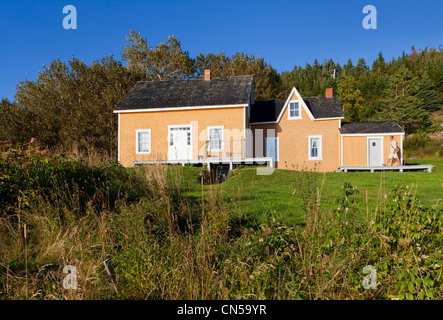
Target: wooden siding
[(232, 119), (294, 142), (355, 149)]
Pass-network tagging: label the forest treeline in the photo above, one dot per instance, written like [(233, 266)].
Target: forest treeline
[(69, 105)]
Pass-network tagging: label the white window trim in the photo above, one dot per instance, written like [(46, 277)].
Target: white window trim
[(289, 110), (222, 138), (320, 148), (278, 147), (137, 131)]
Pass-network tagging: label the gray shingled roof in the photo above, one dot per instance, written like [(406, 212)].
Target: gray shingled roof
[(323, 107), (188, 93), (266, 110), (370, 127), (320, 107)]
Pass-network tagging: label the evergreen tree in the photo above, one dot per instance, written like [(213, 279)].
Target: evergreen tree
[(402, 103), (350, 98), (436, 75), (349, 68), (427, 95), (379, 65), (381, 85), (360, 68)]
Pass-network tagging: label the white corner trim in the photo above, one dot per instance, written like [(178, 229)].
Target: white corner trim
[(401, 150), (341, 151), (244, 146), (118, 138)]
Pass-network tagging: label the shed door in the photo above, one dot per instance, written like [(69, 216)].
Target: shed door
[(375, 151)]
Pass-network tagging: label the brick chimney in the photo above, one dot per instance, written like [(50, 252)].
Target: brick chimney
[(208, 74), (329, 92)]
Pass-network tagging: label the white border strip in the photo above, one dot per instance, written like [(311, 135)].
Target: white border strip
[(372, 134), (118, 139), (182, 108)]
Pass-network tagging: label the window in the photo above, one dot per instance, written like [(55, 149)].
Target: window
[(315, 148), (272, 148), (143, 141), (294, 110), (215, 136)]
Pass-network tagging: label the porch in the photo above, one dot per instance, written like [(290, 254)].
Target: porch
[(212, 161), (427, 167)]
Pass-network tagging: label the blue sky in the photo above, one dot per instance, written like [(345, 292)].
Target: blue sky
[(285, 33)]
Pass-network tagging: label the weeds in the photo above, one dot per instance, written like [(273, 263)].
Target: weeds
[(164, 245)]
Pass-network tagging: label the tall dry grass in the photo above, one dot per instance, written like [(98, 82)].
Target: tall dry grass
[(168, 246)]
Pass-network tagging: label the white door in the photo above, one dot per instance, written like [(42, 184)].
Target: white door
[(180, 144), (375, 151)]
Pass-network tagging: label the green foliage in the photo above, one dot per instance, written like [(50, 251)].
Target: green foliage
[(420, 145), (402, 103), (427, 94), (378, 86), (169, 245), (350, 98), (166, 61), (347, 204), (27, 175), (69, 106), (266, 79), (413, 142), (412, 238)]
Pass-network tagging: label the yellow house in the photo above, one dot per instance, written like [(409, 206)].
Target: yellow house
[(172, 120), (308, 133), (191, 121)]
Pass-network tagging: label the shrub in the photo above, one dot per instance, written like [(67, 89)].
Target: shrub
[(420, 145), (30, 175)]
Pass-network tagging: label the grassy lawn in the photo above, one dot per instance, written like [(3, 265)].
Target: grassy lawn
[(254, 195)]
